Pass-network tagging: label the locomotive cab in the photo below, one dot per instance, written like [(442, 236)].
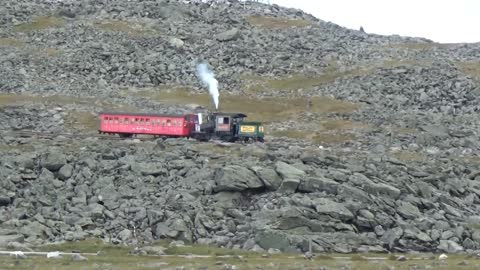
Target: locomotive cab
[(228, 127)]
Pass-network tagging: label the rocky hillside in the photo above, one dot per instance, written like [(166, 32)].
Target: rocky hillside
[(372, 140)]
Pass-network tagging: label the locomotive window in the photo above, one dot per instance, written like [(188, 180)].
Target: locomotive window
[(115, 120), (126, 120), (105, 119), (120, 121), (158, 122), (223, 120), (169, 122), (147, 122), (179, 123)]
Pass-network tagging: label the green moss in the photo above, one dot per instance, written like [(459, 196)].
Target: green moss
[(90, 245), (132, 29), (276, 22), (205, 250), (470, 68), (409, 156), (40, 23), (267, 110), (11, 42)]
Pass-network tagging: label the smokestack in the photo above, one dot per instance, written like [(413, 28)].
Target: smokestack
[(208, 79)]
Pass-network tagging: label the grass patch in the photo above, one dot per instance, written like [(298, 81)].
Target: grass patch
[(393, 63), (40, 23), (8, 99), (297, 81), (90, 245), (10, 42), (17, 99), (51, 52), (132, 29), (118, 258), (408, 156), (16, 147), (276, 23), (205, 250), (83, 121), (76, 119), (265, 109), (473, 226), (404, 131), (470, 68), (322, 138), (414, 45), (270, 110)]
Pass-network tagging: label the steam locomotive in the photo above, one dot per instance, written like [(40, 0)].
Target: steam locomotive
[(227, 127)]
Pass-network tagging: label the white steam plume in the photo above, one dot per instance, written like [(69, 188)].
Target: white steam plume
[(208, 78)]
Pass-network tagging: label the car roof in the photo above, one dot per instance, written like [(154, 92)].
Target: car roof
[(143, 114), (234, 115)]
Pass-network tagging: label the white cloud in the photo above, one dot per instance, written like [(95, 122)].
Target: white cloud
[(446, 21)]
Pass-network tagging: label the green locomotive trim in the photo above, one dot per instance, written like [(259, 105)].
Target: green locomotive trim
[(250, 129)]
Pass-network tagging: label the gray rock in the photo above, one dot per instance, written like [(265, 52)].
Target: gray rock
[(154, 169), (229, 35), (289, 185), (176, 42), (5, 200), (236, 178), (449, 246), (125, 235), (272, 239), (65, 172), (287, 171), (318, 184), (391, 236), (269, 177), (6, 239), (408, 210), (333, 209), (78, 258), (54, 160)]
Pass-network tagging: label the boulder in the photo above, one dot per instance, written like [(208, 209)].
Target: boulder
[(336, 210), (267, 239), (65, 172), (270, 178), (449, 246), (408, 211), (236, 178), (54, 160), (287, 171), (229, 35), (318, 184), (176, 43), (289, 185), (6, 239)]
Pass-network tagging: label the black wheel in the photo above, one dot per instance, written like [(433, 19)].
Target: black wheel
[(227, 138), (126, 135), (260, 139)]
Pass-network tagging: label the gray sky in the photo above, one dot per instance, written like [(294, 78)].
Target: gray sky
[(445, 21)]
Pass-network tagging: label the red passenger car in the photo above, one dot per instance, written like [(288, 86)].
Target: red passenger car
[(127, 124)]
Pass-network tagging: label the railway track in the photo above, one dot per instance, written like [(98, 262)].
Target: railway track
[(57, 135)]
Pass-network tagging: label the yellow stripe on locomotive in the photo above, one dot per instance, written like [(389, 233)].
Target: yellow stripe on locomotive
[(247, 129)]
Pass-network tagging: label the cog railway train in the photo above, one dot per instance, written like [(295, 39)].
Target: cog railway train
[(228, 127)]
